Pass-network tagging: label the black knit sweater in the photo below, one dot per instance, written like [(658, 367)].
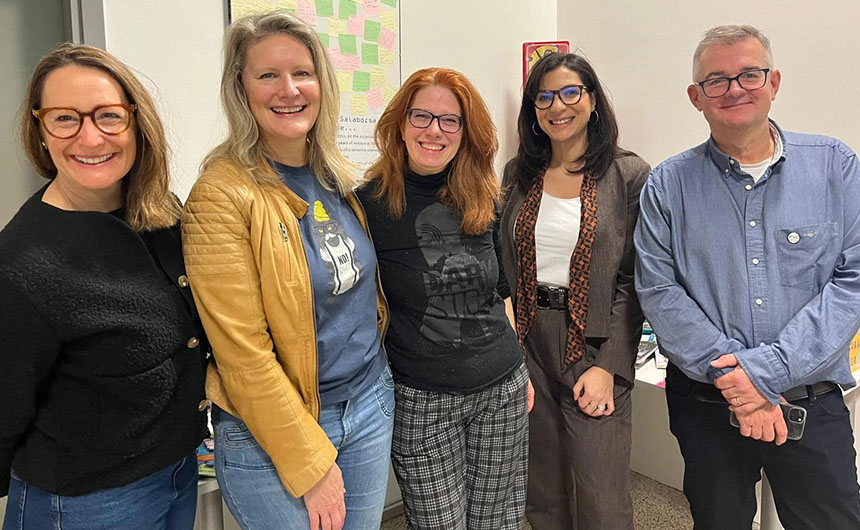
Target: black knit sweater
[(101, 351)]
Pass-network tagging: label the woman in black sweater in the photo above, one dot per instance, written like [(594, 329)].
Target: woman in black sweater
[(101, 350)]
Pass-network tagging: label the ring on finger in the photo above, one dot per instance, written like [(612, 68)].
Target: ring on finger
[(601, 408), (738, 401)]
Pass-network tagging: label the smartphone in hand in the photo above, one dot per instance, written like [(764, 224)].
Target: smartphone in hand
[(794, 416)]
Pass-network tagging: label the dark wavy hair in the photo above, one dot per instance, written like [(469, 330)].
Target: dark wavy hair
[(535, 150)]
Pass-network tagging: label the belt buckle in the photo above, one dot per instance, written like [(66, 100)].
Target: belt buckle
[(543, 300)]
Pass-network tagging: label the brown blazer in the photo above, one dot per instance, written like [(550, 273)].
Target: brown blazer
[(614, 317)]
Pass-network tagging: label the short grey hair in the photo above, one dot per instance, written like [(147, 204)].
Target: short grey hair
[(728, 35)]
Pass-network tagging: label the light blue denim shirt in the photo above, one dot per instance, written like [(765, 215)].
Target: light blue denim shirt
[(769, 271)]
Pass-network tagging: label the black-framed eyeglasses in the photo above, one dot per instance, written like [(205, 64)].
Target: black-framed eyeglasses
[(421, 119), (569, 95), (66, 122), (748, 80)]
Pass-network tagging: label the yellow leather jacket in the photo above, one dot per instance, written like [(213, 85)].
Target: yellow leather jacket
[(249, 274)]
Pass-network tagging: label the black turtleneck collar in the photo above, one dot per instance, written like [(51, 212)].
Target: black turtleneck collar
[(428, 185)]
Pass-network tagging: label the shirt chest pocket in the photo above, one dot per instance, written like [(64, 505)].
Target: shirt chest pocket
[(803, 252)]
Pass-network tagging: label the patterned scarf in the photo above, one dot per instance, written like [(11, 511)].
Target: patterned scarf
[(580, 266)]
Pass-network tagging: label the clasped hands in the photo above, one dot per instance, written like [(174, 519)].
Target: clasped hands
[(758, 419)]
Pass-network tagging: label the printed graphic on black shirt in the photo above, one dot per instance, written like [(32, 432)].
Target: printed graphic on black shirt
[(456, 282), (336, 249)]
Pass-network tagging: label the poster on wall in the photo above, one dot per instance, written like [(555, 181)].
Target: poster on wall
[(533, 51), (362, 38)]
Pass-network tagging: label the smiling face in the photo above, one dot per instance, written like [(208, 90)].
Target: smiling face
[(565, 124), (737, 109), (91, 161), (283, 93), (430, 150)]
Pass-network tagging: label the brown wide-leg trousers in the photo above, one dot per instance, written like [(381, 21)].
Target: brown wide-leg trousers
[(579, 466)]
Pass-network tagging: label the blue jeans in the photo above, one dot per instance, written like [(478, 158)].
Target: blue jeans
[(359, 428), (164, 500)]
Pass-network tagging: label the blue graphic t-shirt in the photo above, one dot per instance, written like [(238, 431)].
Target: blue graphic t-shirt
[(342, 266)]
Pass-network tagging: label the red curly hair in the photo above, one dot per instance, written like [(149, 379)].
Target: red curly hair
[(472, 189)]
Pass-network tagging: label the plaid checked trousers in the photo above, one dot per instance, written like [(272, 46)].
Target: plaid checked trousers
[(461, 460)]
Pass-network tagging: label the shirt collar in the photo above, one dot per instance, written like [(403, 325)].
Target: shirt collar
[(728, 164)]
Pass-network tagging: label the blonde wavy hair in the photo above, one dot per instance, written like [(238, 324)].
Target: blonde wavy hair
[(243, 146), (149, 203)]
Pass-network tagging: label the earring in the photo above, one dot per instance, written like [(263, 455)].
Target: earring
[(44, 145), (596, 116), (535, 132)]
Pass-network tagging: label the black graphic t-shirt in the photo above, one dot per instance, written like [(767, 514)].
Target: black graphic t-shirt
[(445, 292)]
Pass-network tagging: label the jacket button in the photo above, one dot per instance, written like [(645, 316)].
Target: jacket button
[(193, 342), (182, 281), (202, 405)]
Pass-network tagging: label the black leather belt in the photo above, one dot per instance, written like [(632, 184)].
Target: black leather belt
[(808, 391), (711, 393), (552, 297)]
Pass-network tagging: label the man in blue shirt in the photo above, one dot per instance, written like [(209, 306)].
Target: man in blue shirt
[(749, 272)]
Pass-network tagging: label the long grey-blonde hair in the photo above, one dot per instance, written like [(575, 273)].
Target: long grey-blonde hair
[(244, 146)]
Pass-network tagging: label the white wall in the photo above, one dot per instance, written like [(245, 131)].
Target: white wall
[(22, 48), (643, 53), (175, 47), (483, 40)]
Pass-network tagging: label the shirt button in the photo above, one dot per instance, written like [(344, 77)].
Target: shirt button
[(193, 342), (182, 281), (748, 187), (727, 170), (202, 405), (758, 301), (732, 162), (755, 261), (752, 223), (793, 238), (761, 343)]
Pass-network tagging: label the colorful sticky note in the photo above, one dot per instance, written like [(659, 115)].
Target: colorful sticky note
[(325, 8), (350, 62), (386, 57), (360, 81), (335, 57), (371, 30), (323, 39), (346, 8), (344, 81), (356, 25), (389, 20), (371, 8), (336, 26), (250, 7), (347, 44), (289, 5), (369, 54), (386, 38), (377, 76), (358, 105), (392, 3), (388, 94), (375, 99), (306, 12)]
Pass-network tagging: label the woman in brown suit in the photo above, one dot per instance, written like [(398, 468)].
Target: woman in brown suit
[(572, 204)]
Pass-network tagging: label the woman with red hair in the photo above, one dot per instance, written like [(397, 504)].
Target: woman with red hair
[(460, 427)]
